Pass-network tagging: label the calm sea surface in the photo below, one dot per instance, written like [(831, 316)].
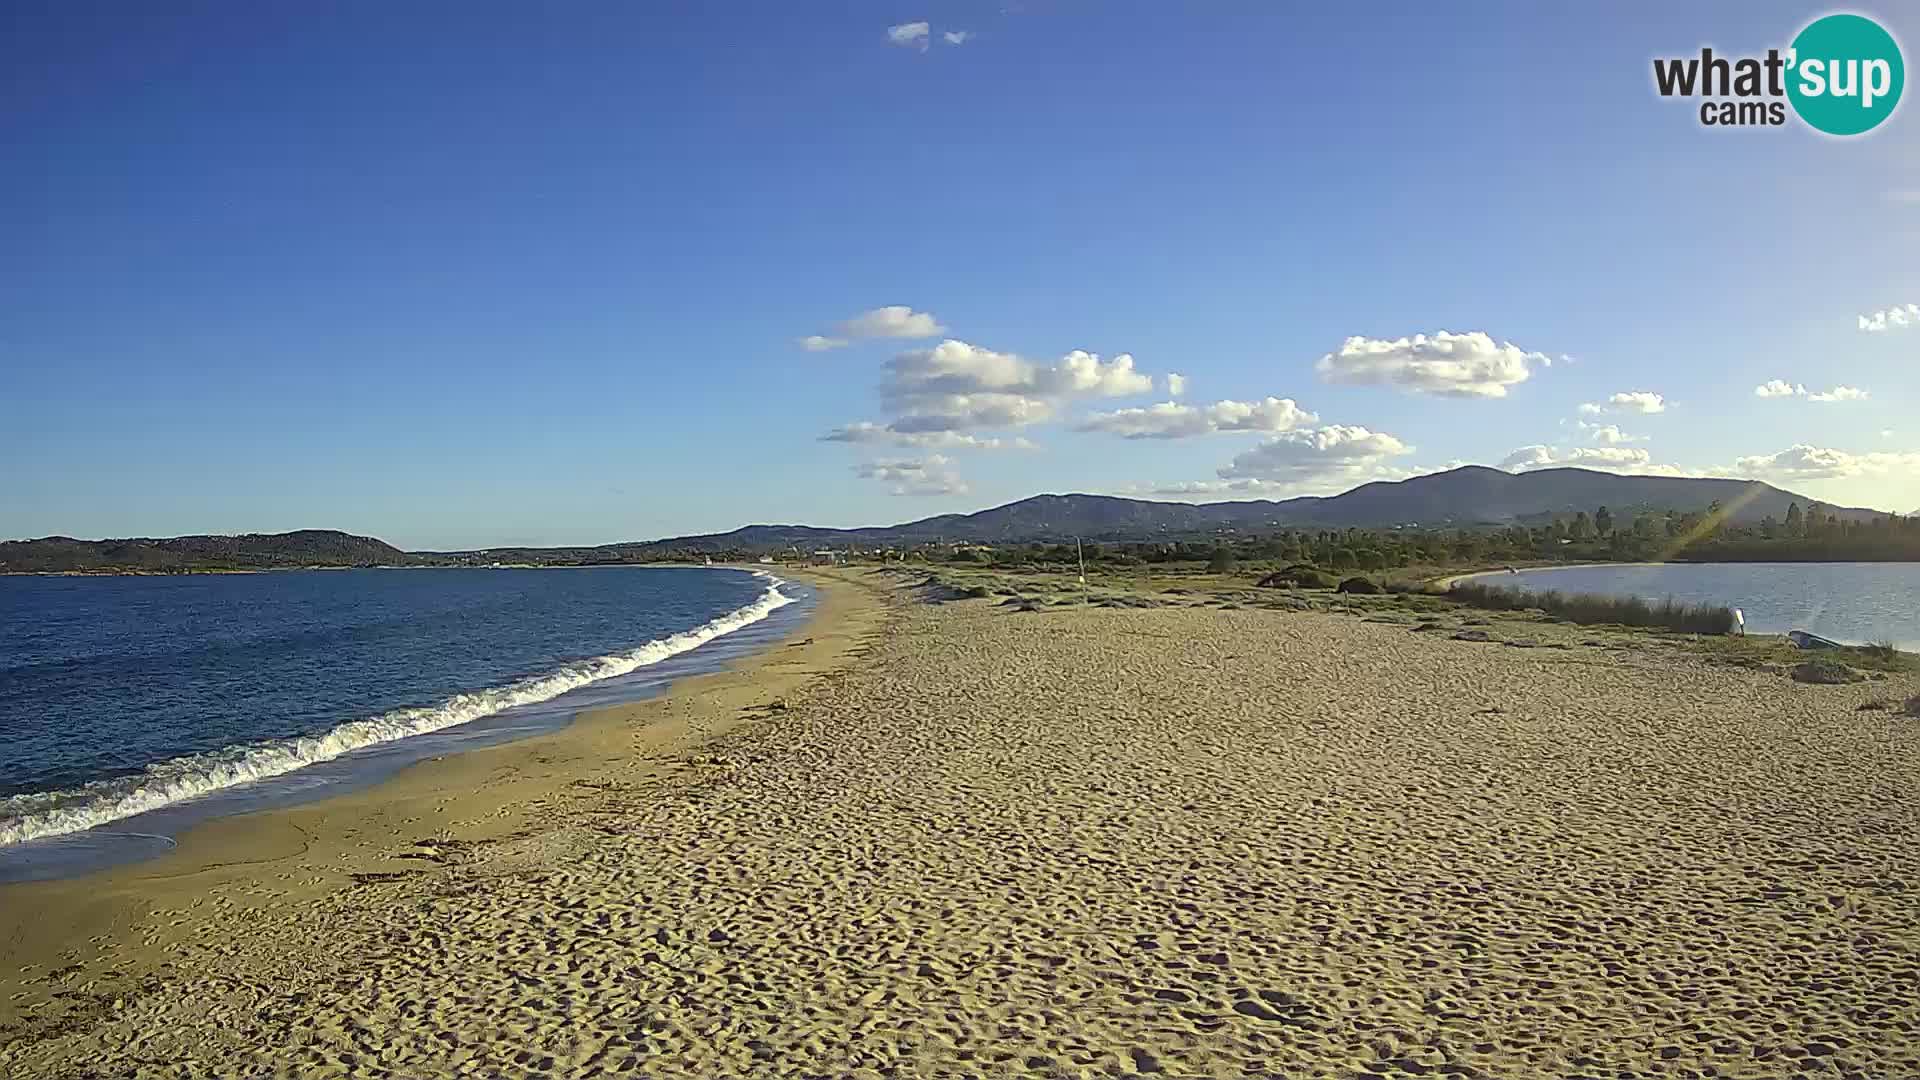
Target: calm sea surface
[(133, 706), (1849, 602)]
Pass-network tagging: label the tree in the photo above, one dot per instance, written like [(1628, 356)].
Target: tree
[(1222, 561), (1602, 521), (1795, 523), (1581, 528)]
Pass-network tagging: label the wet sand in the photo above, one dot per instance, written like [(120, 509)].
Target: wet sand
[(952, 840)]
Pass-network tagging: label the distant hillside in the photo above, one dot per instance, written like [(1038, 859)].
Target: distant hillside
[(1473, 495), (253, 551), (1463, 497)]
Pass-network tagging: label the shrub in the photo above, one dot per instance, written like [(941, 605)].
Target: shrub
[(1222, 561), (1825, 672), (1360, 585), (1913, 706), (1588, 608), (1305, 577)]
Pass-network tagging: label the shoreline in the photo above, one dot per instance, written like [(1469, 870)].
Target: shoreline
[(355, 751), (108, 917), (1445, 583)]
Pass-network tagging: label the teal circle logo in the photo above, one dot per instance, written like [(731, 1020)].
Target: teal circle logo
[(1845, 74)]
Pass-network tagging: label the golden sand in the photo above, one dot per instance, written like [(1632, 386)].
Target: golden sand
[(952, 840)]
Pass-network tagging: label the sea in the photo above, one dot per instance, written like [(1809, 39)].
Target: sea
[(134, 707), (1853, 603)]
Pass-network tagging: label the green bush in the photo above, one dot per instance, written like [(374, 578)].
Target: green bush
[(1360, 585), (1305, 577), (1588, 608), (1826, 672)]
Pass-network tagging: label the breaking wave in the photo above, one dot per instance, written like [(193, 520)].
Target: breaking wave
[(31, 816)]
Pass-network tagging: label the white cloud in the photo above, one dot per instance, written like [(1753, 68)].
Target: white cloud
[(1448, 364), (1619, 459), (955, 386), (1333, 455), (892, 321), (914, 476), (1633, 401), (1526, 456), (1780, 388), (911, 35), (1608, 434), (1803, 462), (1897, 317), (1171, 420), (1839, 393), (957, 37), (1176, 384), (868, 432)]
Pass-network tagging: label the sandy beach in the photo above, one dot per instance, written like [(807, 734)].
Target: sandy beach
[(952, 840)]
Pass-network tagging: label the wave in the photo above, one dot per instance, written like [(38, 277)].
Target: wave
[(32, 816)]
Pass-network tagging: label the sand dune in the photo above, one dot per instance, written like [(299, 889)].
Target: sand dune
[(1176, 842)]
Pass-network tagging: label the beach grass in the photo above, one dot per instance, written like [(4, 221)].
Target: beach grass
[(1596, 609)]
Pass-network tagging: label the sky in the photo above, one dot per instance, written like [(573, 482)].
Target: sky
[(481, 274)]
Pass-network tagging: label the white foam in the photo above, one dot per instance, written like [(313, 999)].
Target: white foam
[(28, 817)]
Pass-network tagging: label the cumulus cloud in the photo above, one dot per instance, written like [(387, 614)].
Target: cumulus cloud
[(1633, 401), (892, 321), (1803, 462), (955, 386), (1609, 434), (912, 35), (1172, 420), (868, 432), (1445, 363), (1176, 384), (1335, 454), (1614, 459), (957, 37), (1839, 393), (1897, 317), (1780, 388), (930, 475), (1620, 459)]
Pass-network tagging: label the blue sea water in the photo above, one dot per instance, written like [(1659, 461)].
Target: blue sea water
[(131, 707), (1855, 603)]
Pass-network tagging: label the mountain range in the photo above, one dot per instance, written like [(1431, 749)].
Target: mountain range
[(1467, 496), (1463, 497)]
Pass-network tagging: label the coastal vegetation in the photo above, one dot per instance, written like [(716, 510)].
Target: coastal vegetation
[(1047, 531), (1590, 608)]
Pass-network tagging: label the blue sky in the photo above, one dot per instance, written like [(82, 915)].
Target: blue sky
[(478, 274)]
